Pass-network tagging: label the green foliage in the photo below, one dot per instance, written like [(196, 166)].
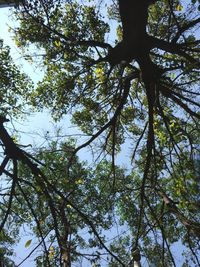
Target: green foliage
[(14, 85), (86, 188), (5, 249)]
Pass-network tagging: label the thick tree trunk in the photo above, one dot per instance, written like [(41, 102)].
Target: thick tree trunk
[(134, 15), (136, 43)]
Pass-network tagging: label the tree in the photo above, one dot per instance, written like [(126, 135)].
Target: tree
[(142, 90)]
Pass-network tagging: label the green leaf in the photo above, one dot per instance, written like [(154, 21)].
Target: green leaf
[(179, 7), (28, 243), (57, 43)]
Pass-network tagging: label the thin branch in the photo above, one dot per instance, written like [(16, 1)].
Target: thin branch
[(12, 192), (116, 114), (184, 28)]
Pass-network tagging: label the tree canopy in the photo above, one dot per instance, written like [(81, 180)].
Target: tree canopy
[(127, 73)]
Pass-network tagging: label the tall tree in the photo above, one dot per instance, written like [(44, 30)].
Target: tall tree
[(139, 87)]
